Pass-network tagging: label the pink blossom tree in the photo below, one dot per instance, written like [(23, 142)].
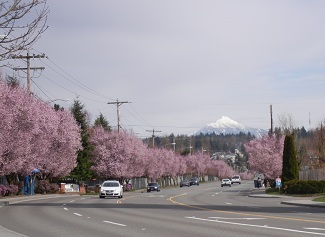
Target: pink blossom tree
[(117, 154), (28, 130), (221, 169), (265, 155), (198, 164), (155, 168)]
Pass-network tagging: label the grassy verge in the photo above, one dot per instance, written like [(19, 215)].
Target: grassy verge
[(319, 199)]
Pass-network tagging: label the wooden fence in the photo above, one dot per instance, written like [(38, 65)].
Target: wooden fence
[(318, 174)]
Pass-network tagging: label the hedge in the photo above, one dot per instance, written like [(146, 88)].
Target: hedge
[(304, 187), (45, 187), (8, 190)]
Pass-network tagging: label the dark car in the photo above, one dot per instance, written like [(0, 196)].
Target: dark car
[(194, 181), (184, 182), (153, 187)]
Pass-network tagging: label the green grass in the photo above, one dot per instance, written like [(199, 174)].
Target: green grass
[(319, 199)]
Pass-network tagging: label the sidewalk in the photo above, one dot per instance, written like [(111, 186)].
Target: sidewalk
[(297, 201), (22, 198)]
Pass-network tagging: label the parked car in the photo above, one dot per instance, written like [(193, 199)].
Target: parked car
[(235, 179), (194, 181), (184, 182), (153, 187), (111, 188), (225, 182)]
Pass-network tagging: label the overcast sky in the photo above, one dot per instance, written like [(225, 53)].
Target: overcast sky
[(183, 64)]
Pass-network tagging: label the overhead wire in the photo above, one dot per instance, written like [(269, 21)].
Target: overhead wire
[(77, 82)]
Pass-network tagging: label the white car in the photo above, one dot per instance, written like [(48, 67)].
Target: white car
[(236, 179), (111, 188), (225, 182)]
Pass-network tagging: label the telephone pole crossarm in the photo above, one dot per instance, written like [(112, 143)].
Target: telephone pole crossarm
[(118, 104), (28, 68), (153, 136)]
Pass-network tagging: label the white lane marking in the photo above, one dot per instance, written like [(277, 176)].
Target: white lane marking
[(72, 200), (114, 223), (66, 209), (77, 214), (152, 195), (228, 203), (313, 228), (230, 218), (258, 226)]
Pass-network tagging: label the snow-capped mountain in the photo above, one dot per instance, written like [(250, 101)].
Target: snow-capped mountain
[(226, 125)]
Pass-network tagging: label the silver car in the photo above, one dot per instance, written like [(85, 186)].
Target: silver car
[(111, 188), (225, 182)]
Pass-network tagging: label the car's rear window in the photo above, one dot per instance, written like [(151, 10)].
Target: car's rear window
[(235, 177), (110, 184)]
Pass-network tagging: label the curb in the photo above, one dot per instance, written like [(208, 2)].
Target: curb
[(263, 196), (306, 203)]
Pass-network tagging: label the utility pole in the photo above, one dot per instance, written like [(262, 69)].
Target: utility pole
[(118, 104), (28, 68), (174, 144), (190, 147), (271, 119), (153, 136)]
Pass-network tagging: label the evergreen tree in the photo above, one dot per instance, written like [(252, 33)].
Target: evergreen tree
[(290, 168), (82, 171), (12, 81), (57, 107), (102, 121)]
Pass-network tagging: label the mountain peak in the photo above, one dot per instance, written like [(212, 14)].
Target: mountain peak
[(225, 122), (225, 125)]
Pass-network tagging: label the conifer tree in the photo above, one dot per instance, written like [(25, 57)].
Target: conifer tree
[(290, 168), (82, 171), (102, 121)]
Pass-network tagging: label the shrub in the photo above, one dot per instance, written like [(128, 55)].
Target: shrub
[(3, 190), (272, 190), (45, 187), (6, 190), (12, 189), (304, 187)]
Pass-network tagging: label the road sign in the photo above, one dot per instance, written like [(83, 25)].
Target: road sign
[(278, 182)]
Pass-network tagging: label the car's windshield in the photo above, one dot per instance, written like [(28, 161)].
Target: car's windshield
[(153, 184), (110, 184)]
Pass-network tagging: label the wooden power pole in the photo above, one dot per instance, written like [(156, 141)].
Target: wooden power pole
[(271, 119), (28, 68), (153, 136), (118, 104)]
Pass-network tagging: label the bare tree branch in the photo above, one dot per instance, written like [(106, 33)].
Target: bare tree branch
[(21, 24)]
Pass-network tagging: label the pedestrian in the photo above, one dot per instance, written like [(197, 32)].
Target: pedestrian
[(265, 183), (258, 182)]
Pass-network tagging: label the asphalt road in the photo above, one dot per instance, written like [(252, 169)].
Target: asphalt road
[(205, 210)]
